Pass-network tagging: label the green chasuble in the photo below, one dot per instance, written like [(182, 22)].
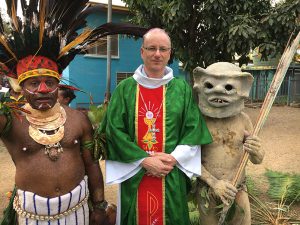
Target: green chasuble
[(184, 125)]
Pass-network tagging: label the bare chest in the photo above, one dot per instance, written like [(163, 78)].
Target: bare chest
[(20, 142), (228, 137)]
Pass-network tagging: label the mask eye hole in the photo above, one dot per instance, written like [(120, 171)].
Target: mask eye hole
[(208, 85), (228, 87)]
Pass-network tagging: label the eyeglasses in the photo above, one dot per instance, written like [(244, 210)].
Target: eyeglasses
[(154, 49)]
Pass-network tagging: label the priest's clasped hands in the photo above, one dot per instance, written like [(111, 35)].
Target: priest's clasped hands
[(159, 164)]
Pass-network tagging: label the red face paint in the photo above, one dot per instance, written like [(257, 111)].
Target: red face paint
[(43, 85), (41, 92)]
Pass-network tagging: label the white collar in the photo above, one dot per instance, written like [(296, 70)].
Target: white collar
[(141, 77)]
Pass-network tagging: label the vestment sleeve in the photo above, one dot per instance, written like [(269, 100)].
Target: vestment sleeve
[(188, 158), (117, 172), (120, 123), (194, 130)]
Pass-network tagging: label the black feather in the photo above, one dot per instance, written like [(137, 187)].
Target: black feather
[(24, 6), (10, 13), (72, 12), (64, 19), (8, 5), (118, 28), (101, 31), (64, 12), (32, 9), (1, 24), (80, 20)]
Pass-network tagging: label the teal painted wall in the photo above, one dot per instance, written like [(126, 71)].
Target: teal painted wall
[(89, 73)]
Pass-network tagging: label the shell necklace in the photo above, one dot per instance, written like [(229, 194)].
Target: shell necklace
[(47, 128)]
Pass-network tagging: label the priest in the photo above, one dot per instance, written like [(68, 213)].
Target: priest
[(154, 131)]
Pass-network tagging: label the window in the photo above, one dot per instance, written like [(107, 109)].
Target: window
[(101, 47), (122, 76)]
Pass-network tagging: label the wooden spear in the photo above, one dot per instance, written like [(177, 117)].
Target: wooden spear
[(281, 70)]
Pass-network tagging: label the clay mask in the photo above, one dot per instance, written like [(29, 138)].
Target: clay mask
[(221, 89)]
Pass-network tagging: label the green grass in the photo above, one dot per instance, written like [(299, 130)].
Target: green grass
[(283, 183)]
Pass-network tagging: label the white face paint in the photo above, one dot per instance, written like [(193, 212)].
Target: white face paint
[(40, 92), (41, 105), (44, 105), (35, 93)]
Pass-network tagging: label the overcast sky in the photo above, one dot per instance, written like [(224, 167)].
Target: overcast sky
[(114, 2)]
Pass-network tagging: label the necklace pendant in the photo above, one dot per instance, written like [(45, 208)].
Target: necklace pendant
[(53, 151)]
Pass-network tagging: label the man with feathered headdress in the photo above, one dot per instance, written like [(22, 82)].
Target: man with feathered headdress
[(51, 145)]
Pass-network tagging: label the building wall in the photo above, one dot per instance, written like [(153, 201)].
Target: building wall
[(89, 72), (289, 91)]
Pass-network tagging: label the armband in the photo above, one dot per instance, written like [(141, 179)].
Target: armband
[(89, 145)]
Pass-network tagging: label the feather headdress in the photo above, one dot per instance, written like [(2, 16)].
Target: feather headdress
[(50, 34)]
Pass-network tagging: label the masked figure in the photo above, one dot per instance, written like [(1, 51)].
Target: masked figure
[(221, 90)]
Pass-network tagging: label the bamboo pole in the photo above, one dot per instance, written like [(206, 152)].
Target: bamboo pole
[(281, 70)]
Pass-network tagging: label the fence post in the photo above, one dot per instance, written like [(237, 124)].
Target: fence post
[(289, 90)]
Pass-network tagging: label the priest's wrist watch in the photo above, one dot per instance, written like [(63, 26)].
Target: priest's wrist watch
[(102, 205)]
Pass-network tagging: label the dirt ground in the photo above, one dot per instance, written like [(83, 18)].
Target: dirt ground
[(281, 141)]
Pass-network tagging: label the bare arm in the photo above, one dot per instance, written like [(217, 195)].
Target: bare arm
[(3, 121), (223, 189), (95, 176), (92, 168)]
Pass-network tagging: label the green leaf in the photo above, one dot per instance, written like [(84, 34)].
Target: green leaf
[(206, 205), (203, 193), (245, 34), (221, 206), (214, 30), (271, 22)]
